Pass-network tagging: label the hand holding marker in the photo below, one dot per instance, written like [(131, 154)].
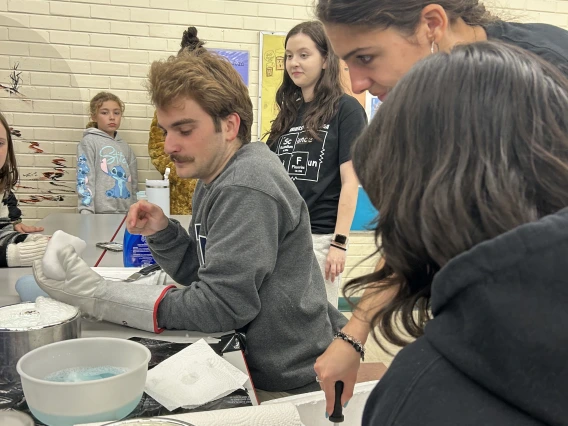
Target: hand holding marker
[(337, 415)]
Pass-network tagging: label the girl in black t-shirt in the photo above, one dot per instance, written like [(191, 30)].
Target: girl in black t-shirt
[(312, 136)]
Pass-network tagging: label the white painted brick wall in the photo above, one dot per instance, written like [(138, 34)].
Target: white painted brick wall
[(68, 51)]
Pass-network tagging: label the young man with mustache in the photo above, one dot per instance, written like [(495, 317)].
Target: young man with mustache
[(246, 261)]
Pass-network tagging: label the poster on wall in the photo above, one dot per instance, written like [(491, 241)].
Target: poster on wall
[(240, 59), (372, 105), (365, 213), (271, 73)]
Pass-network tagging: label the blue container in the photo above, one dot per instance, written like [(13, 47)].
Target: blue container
[(135, 251)]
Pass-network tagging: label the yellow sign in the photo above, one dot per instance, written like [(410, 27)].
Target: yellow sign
[(272, 71)]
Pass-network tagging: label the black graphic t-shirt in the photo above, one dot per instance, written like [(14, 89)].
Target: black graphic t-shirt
[(314, 165)]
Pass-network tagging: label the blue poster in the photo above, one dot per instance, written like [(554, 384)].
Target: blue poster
[(375, 103), (239, 59), (365, 213)]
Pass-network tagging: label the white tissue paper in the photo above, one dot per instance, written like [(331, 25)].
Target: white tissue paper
[(194, 376), (273, 415), (119, 274), (260, 415), (50, 262)]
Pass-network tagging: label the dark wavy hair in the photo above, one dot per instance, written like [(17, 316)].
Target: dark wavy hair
[(9, 172), (401, 14), (468, 145), (327, 92)]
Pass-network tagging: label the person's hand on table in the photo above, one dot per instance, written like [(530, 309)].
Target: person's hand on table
[(146, 219), (335, 263), (27, 229), (339, 362)]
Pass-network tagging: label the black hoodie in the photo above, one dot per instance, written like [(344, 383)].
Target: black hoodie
[(496, 351)]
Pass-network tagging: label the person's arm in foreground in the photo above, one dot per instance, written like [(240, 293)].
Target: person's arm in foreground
[(341, 361)]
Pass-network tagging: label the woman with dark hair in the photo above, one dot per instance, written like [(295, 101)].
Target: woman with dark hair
[(312, 135), (470, 179), (381, 40)]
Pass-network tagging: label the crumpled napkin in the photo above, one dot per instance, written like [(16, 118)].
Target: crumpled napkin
[(194, 376), (117, 274)]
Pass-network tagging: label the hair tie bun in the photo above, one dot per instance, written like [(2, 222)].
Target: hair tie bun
[(189, 41)]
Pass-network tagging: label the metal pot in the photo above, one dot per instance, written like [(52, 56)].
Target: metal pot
[(150, 422), (15, 342)]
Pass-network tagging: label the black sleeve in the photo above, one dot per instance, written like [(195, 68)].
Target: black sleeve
[(10, 211), (7, 237), (352, 121), (3, 256), (13, 211)]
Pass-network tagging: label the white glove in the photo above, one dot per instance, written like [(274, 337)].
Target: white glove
[(60, 239), (122, 303), (35, 237), (24, 253)]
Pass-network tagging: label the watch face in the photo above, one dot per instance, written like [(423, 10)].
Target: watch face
[(341, 239)]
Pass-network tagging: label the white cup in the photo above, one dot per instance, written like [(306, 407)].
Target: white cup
[(158, 192)]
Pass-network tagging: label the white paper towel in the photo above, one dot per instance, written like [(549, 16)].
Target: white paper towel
[(194, 376), (261, 415)]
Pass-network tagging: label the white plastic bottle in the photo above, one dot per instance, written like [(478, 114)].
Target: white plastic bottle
[(158, 192)]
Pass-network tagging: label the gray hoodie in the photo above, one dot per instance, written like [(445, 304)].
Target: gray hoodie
[(248, 264), (107, 174)]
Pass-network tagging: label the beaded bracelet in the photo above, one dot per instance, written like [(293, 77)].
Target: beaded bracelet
[(357, 345)]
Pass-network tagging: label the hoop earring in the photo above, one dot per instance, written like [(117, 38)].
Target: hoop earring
[(432, 51)]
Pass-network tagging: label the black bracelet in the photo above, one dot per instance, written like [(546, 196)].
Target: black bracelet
[(339, 247), (357, 345)]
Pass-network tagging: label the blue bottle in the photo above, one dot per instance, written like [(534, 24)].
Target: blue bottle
[(135, 248), (135, 251)]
